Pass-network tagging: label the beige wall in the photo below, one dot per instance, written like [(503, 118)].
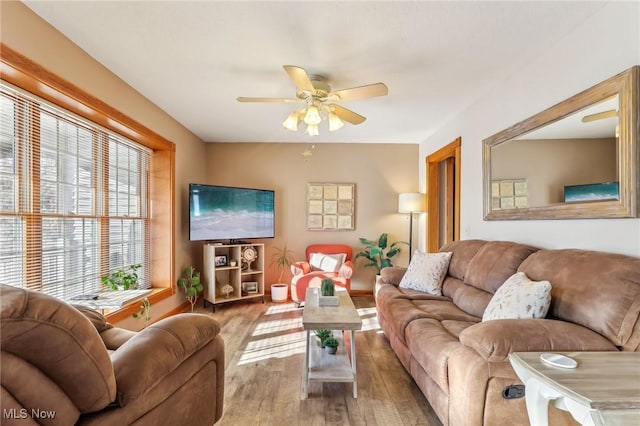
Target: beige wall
[(380, 172), (27, 33), (583, 58), (550, 164)]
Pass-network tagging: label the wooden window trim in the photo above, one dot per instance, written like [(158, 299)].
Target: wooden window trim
[(24, 73)]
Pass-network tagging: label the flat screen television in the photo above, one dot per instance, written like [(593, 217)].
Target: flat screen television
[(229, 213)]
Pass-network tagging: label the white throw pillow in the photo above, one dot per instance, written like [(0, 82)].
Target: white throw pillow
[(327, 262), (519, 297), (426, 272)]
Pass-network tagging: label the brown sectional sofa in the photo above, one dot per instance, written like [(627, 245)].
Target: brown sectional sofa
[(461, 364), (70, 361)]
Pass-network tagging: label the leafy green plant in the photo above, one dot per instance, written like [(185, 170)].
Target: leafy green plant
[(282, 258), (145, 311), (323, 335), (327, 287), (123, 279), (331, 342), (191, 284), (374, 251)]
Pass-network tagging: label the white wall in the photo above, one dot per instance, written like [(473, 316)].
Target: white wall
[(606, 44)]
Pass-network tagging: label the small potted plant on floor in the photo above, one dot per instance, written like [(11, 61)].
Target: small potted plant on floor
[(331, 344), (191, 284), (282, 259)]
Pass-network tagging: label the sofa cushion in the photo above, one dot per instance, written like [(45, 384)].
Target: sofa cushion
[(468, 298), (494, 263), (598, 290), (519, 297), (431, 345), (426, 272), (463, 251), (494, 340)]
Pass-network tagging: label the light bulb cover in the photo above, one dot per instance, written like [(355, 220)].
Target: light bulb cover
[(334, 122), (312, 117), (312, 130), (291, 123)]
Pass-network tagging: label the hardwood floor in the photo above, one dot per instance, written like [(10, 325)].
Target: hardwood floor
[(264, 363)]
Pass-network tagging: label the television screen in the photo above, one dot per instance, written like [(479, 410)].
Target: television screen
[(224, 212)]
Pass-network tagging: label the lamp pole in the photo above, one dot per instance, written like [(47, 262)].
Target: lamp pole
[(411, 202)]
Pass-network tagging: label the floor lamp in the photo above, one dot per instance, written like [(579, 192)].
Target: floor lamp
[(411, 202)]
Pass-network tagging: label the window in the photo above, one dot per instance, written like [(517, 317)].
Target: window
[(74, 199)]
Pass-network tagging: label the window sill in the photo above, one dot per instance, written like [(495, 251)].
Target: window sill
[(156, 296)]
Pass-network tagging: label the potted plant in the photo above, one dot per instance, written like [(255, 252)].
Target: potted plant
[(323, 335), (282, 259), (127, 279), (123, 279), (327, 287), (191, 284), (374, 252), (331, 343)]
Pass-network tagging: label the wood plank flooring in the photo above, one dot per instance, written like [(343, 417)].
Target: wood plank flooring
[(263, 378)]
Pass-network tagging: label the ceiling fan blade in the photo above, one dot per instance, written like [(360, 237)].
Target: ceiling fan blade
[(600, 116), (346, 114), (244, 99), (368, 91), (300, 78)]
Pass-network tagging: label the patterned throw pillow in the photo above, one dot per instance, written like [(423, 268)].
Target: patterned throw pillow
[(327, 262), (519, 297), (426, 272)]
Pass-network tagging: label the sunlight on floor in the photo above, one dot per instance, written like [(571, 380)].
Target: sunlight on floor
[(280, 346), (277, 326), (281, 308), (369, 319), (280, 338)]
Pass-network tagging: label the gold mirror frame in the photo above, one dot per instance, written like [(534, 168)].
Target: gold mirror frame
[(626, 86)]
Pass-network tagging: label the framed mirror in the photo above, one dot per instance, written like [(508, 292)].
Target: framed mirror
[(577, 159)]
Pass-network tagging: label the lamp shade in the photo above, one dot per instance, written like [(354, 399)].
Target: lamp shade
[(411, 202)]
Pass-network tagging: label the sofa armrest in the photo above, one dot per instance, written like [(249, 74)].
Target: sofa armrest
[(300, 268), (494, 340), (153, 353), (392, 274), (346, 270)]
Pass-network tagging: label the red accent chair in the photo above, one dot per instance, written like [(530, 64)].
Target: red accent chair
[(305, 275)]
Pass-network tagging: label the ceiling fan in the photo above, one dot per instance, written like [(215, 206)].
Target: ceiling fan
[(600, 116), (319, 101)]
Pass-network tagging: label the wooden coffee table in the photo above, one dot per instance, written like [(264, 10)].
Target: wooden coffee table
[(604, 389), (318, 364)]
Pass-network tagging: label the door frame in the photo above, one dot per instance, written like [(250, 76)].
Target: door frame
[(450, 156)]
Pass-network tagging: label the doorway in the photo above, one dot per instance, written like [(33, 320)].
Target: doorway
[(443, 196)]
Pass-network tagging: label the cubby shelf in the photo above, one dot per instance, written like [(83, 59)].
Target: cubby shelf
[(246, 280)]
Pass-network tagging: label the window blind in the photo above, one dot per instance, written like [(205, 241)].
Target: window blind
[(73, 199)]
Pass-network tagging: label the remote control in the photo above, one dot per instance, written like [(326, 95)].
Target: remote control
[(557, 360)]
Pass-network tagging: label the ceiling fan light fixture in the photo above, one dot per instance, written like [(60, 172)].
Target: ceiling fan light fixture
[(334, 122), (312, 130), (312, 117), (291, 123)]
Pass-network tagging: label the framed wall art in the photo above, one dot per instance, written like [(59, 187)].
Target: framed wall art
[(331, 206)]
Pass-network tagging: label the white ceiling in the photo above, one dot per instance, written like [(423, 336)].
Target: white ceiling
[(192, 59)]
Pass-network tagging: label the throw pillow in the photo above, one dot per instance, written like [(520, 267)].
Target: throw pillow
[(426, 272), (327, 262), (519, 297)]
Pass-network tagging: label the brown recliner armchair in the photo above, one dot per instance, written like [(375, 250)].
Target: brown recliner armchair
[(73, 367)]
